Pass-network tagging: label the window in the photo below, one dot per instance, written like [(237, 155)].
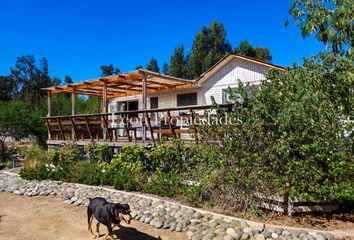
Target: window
[(154, 102), (226, 94), (186, 99), (128, 106)]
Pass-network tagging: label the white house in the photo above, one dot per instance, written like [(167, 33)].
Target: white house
[(212, 83)]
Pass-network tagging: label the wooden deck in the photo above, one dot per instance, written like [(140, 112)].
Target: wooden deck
[(142, 127)]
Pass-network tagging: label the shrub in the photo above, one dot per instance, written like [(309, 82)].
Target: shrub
[(164, 183), (42, 172), (35, 157), (86, 173), (126, 170), (97, 152)]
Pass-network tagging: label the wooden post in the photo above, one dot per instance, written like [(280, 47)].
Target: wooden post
[(73, 112), (144, 104), (104, 107), (49, 104), (49, 114)]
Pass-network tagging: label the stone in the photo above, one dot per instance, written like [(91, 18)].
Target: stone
[(158, 224), (275, 236), (319, 237), (230, 231), (259, 237)]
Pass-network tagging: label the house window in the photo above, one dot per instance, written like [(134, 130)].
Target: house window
[(186, 99), (226, 94), (128, 106), (154, 102)]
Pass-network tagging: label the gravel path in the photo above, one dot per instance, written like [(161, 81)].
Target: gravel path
[(197, 224), (42, 217)]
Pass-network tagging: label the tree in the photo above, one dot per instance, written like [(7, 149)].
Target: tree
[(17, 121), (153, 65), (247, 49), (7, 88), (109, 70), (166, 69), (331, 21), (209, 46), (68, 80), (178, 63), (30, 79), (138, 67)]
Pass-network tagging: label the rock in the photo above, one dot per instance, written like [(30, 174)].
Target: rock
[(259, 237), (247, 230), (229, 237), (158, 224), (319, 237), (230, 231), (245, 236), (275, 236)]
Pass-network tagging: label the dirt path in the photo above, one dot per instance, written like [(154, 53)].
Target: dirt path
[(32, 218)]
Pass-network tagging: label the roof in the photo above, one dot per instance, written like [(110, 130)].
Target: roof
[(226, 59), (131, 83), (125, 84)]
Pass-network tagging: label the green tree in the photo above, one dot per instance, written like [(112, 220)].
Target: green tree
[(18, 120), (178, 63), (166, 69), (7, 88), (138, 67), (331, 21), (209, 46), (153, 65), (30, 79), (109, 70), (247, 49), (68, 80)]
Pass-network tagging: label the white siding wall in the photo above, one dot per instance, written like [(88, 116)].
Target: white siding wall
[(228, 76), (167, 99)]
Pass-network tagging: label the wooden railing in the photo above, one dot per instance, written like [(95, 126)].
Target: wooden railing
[(140, 125)]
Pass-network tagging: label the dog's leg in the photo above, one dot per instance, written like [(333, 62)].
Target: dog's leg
[(110, 233), (98, 230), (90, 226), (89, 220)]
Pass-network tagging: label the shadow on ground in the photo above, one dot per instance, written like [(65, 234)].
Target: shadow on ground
[(126, 233)]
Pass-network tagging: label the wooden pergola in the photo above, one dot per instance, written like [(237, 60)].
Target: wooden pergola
[(137, 82)]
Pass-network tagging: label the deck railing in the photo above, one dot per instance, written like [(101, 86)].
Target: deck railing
[(141, 125)]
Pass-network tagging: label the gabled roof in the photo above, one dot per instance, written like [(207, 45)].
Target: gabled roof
[(226, 59), (131, 83)]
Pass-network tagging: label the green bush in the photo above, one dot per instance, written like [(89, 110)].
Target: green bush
[(126, 170), (164, 183), (97, 152), (86, 173), (35, 156)]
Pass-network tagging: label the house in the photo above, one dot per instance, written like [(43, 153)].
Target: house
[(141, 95), (213, 83)]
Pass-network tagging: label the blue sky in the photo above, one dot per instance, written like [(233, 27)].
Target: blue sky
[(79, 36)]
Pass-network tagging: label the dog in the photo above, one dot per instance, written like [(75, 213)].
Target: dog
[(106, 213)]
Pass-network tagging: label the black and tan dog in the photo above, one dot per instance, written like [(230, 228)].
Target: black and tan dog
[(109, 214)]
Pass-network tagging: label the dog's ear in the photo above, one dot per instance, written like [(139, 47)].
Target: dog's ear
[(126, 206)]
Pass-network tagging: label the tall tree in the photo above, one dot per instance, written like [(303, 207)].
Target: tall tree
[(153, 65), (68, 79), (166, 69), (209, 46), (7, 88), (178, 63), (109, 70), (30, 78), (247, 49), (331, 21)]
